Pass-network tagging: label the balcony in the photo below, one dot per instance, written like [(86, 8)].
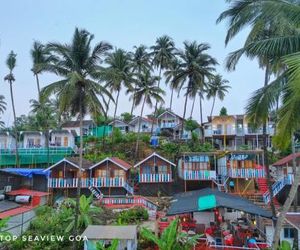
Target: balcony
[(168, 125), (198, 174), (244, 173), (155, 178), (86, 182)]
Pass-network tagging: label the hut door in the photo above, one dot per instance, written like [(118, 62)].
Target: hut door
[(146, 170), (65, 141)]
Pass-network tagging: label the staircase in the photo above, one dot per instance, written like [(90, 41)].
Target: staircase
[(277, 187), (221, 182), (128, 188), (262, 185), (96, 192)]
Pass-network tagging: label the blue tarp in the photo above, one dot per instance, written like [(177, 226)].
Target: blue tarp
[(27, 172)]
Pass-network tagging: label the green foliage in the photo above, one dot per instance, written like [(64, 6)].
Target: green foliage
[(191, 125), (114, 245), (285, 245), (126, 117), (170, 148), (117, 135), (171, 238), (145, 138), (223, 111), (132, 216)]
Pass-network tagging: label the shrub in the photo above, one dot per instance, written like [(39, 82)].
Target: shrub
[(133, 216)]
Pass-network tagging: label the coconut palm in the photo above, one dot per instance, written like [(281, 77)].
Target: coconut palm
[(170, 75), (196, 69), (280, 19), (140, 61), (217, 88), (40, 56), (78, 90), (145, 93), (118, 73), (10, 78), (162, 53)]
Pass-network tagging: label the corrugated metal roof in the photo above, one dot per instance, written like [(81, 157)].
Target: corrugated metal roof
[(98, 232), (286, 159)]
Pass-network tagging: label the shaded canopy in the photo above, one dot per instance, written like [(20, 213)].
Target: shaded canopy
[(27, 172), (205, 199)]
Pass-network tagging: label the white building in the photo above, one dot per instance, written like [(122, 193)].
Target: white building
[(33, 139), (121, 125), (292, 221), (7, 140), (75, 126), (62, 138), (145, 126)]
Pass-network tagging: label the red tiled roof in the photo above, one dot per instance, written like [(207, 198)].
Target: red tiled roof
[(294, 219), (15, 211), (286, 159), (121, 162), (27, 192)]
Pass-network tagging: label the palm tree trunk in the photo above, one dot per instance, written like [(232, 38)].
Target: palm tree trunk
[(47, 147), (76, 224), (116, 107), (295, 243), (38, 85), (184, 112), (139, 130), (107, 108), (213, 105), (15, 125), (201, 117), (285, 209), (192, 109), (155, 109), (133, 103), (266, 156), (171, 100)]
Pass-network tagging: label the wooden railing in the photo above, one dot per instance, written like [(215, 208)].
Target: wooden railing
[(134, 200), (152, 178), (242, 172), (86, 182), (197, 174)]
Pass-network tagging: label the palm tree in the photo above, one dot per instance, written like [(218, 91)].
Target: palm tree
[(284, 16), (87, 212), (196, 69), (78, 91), (45, 118), (40, 56), (140, 61), (163, 53), (170, 75), (146, 91), (117, 73), (217, 88), (11, 64)]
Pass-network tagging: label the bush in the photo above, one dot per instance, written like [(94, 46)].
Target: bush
[(133, 216)]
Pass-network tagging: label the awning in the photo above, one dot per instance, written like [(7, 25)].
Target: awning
[(206, 199), (27, 172)]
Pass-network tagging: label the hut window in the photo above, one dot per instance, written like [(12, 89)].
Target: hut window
[(119, 173), (163, 169), (60, 174), (100, 173)]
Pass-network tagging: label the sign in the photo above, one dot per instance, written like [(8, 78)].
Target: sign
[(207, 202), (241, 157), (196, 158)]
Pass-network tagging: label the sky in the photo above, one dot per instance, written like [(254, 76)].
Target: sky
[(123, 23)]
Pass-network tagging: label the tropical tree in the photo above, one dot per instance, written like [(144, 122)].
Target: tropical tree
[(171, 239), (162, 53), (78, 90), (45, 118), (114, 245), (140, 61), (270, 47), (223, 112), (40, 56), (87, 212), (217, 88), (145, 93), (126, 117), (118, 73), (196, 69), (10, 78), (170, 75)]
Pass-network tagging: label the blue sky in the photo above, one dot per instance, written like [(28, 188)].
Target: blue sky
[(123, 23)]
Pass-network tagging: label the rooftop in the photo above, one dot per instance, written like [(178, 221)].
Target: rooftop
[(286, 159), (27, 192), (99, 232)]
